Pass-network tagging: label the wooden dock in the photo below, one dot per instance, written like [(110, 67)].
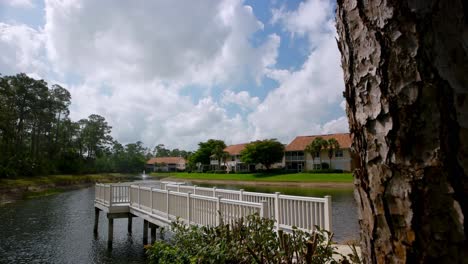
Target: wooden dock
[(160, 203)]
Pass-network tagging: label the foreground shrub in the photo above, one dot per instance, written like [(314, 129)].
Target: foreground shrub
[(249, 240)]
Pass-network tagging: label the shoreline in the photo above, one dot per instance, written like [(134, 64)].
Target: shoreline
[(24, 193), (13, 192), (324, 185)]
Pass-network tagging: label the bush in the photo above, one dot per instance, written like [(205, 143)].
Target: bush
[(249, 240)]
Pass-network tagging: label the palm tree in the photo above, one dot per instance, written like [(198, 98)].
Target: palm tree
[(321, 144), (219, 154), (314, 149), (333, 147), (311, 149)]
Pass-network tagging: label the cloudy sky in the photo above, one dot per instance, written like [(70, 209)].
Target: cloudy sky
[(181, 72)]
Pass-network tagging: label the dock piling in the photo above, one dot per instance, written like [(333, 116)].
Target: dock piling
[(110, 231), (145, 232), (96, 220), (153, 233), (129, 226)]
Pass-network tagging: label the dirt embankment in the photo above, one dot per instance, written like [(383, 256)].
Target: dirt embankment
[(9, 195)]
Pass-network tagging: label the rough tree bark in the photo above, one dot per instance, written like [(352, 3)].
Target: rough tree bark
[(406, 73)]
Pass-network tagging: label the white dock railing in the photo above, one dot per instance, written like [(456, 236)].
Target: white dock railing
[(191, 208), (287, 210), (206, 206), (112, 194)]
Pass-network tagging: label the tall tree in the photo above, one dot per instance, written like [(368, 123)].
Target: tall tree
[(265, 152), (219, 154), (317, 145), (204, 152), (95, 135), (161, 151), (405, 68)]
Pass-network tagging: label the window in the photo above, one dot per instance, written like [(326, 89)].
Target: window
[(339, 153), (317, 155)]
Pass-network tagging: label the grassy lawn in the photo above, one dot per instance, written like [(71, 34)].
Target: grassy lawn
[(59, 180), (293, 177)]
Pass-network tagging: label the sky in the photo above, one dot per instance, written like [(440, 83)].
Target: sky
[(182, 72)]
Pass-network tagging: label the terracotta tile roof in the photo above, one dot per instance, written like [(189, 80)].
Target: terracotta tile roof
[(167, 160), (300, 142), (235, 149)]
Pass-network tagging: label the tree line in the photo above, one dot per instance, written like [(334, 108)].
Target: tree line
[(265, 152), (37, 136)]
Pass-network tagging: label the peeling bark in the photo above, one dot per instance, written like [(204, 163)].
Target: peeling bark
[(406, 74)]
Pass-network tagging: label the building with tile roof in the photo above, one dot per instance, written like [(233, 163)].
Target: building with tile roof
[(233, 162), (166, 164), (297, 160)]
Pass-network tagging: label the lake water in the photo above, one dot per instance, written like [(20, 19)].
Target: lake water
[(59, 228)]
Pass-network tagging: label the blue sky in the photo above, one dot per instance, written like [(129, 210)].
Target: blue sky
[(181, 72)]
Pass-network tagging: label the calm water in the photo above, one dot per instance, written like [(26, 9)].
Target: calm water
[(59, 228)]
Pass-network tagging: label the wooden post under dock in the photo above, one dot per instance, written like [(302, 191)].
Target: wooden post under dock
[(145, 232), (96, 220), (110, 230), (153, 233), (129, 226)]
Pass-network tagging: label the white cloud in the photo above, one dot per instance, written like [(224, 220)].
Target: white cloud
[(143, 53), (21, 50), (307, 98), (241, 99), (19, 3), (339, 125), (312, 18), (134, 62), (202, 42)]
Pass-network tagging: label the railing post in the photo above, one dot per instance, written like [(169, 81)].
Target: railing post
[(277, 211), (139, 201), (178, 187), (328, 213), (218, 209), (130, 200), (194, 189), (189, 209), (214, 191), (264, 209), (151, 197), (111, 195), (167, 203), (241, 194)]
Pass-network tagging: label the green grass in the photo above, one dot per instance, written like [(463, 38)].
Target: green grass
[(264, 177), (32, 194)]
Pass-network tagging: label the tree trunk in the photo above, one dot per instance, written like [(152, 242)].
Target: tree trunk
[(406, 73)]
